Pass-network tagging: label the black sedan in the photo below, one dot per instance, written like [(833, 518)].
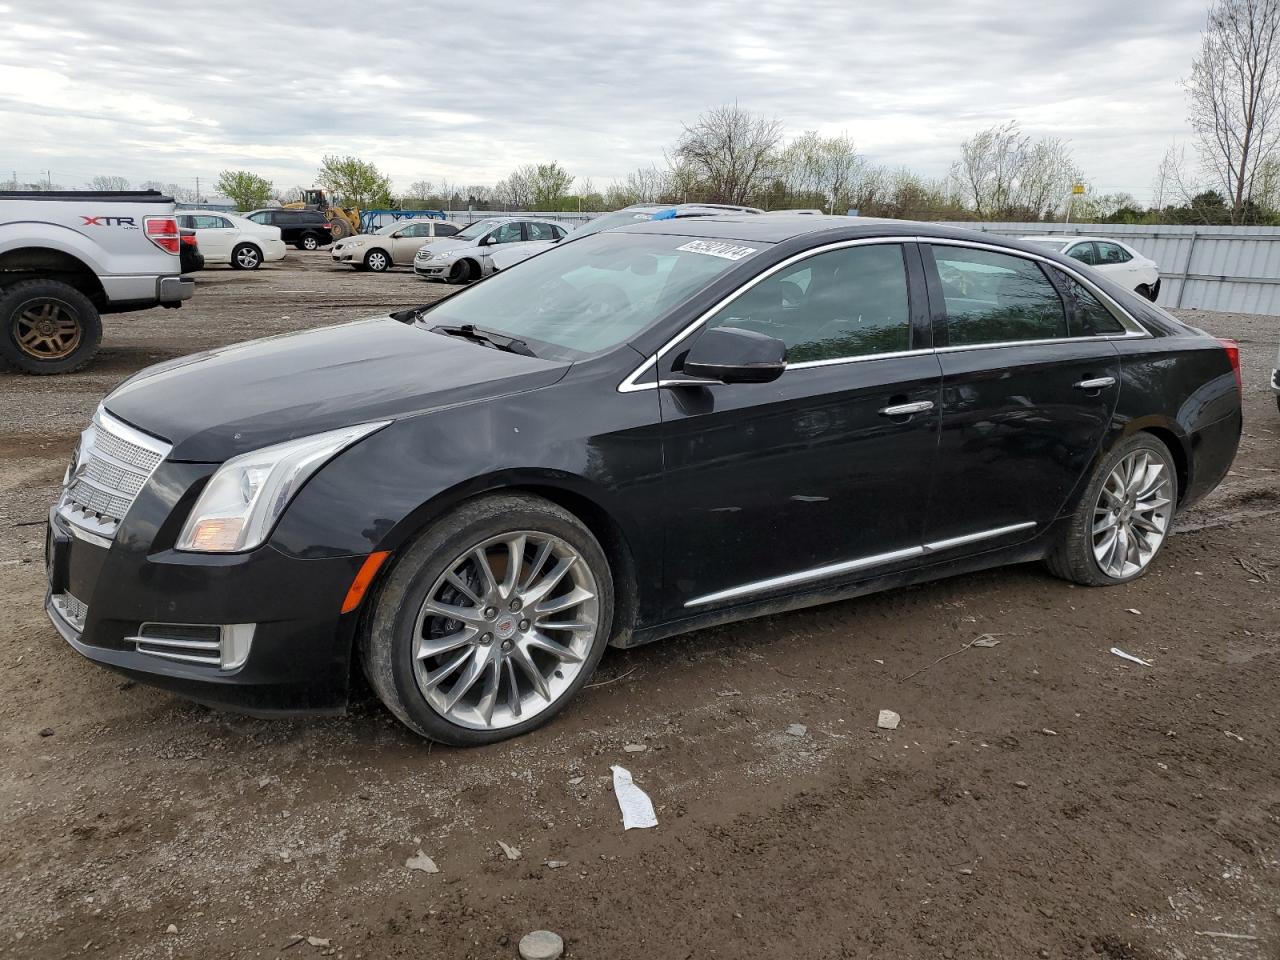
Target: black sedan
[(650, 430)]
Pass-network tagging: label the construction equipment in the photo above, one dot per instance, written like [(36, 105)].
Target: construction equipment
[(344, 221)]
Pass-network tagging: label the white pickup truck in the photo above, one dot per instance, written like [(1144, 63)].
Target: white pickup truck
[(68, 256)]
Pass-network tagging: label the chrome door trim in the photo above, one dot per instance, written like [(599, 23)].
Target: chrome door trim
[(849, 566), (629, 385), (967, 538)]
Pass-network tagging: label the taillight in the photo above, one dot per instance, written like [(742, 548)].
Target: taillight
[(328, 226), (1233, 354), (163, 232), (189, 239)]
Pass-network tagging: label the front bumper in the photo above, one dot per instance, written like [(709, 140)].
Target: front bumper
[(432, 270), (300, 654)]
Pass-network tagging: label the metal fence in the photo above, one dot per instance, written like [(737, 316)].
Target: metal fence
[(1235, 269)]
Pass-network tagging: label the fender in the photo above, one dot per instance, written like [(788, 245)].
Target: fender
[(21, 235)]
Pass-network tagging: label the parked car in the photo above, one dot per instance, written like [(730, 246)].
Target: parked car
[(1275, 379), (1119, 261), (395, 244), (227, 238), (509, 256), (189, 255), (647, 431), (305, 229), (67, 256), (468, 255)]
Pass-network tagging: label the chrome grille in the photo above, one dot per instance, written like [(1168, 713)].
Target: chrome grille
[(70, 609), (112, 465)]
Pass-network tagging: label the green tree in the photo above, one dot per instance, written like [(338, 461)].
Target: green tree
[(355, 182), (247, 189), (549, 185)]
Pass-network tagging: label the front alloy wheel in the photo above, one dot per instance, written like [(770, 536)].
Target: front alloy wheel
[(505, 630), (490, 622), (1132, 514)]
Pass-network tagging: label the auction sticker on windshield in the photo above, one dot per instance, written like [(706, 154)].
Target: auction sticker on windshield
[(726, 251)]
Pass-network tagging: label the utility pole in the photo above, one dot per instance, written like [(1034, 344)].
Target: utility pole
[(197, 189)]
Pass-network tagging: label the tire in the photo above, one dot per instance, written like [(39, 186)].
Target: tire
[(48, 327), (464, 271), (1143, 291), (339, 229), (379, 261), (246, 256), (403, 681), (309, 241), (1076, 555)]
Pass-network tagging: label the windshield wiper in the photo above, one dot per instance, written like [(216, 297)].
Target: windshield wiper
[(496, 340)]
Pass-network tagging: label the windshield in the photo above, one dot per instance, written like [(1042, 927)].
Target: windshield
[(583, 298), (610, 220), (389, 228), (476, 230)]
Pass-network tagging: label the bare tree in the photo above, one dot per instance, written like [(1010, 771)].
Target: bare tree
[(820, 170), (1234, 94), (107, 184), (731, 150), (1173, 184), (1003, 172), (421, 189)]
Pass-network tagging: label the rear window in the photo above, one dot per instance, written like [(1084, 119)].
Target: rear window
[(995, 298)]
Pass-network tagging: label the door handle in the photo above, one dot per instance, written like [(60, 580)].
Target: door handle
[(1097, 383), (907, 409)]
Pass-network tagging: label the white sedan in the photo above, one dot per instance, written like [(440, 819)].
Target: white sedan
[(1119, 261), (226, 238)]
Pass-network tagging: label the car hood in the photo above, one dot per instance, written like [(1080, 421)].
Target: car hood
[(215, 405), (447, 245)]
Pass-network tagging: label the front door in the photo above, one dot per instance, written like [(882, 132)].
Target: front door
[(1029, 385), (821, 476), (408, 241)]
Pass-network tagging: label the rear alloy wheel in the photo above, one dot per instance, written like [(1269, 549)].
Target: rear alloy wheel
[(310, 242), (377, 261), (491, 622), (246, 257), (49, 327), (1124, 517)]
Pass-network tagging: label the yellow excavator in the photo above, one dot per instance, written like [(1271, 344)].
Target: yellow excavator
[(343, 221)]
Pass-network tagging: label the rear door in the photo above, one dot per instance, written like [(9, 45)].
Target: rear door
[(1029, 386), (1118, 264), (822, 475), (216, 236)]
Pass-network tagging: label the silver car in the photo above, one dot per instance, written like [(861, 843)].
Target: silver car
[(392, 245), (468, 256)]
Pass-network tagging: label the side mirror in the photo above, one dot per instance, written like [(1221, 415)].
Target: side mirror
[(731, 355)]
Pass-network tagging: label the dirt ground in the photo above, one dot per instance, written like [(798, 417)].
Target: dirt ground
[(1042, 798)]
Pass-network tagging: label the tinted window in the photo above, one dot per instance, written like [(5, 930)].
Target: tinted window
[(416, 230), (507, 233), (260, 217), (1086, 315), (188, 222), (560, 232), (540, 231), (1085, 253), (844, 303), (1111, 253), (995, 298), (445, 229)]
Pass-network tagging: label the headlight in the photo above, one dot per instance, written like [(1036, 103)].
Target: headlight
[(353, 243), (246, 496)]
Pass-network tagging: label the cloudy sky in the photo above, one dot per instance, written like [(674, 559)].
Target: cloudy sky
[(469, 90)]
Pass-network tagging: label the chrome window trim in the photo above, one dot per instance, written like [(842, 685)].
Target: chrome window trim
[(629, 384), (1120, 313), (849, 566), (1133, 329)]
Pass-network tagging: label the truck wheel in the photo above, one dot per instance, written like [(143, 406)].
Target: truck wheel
[(339, 229), (246, 257), (49, 327)]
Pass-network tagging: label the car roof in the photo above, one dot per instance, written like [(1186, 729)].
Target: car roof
[(782, 227), (1070, 239)]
